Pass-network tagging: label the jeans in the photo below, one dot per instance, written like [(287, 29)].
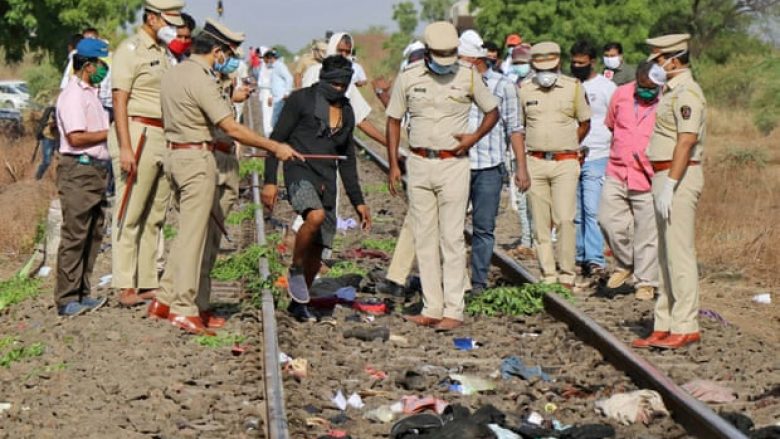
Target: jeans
[(277, 111), (485, 195), (590, 241), (47, 150)]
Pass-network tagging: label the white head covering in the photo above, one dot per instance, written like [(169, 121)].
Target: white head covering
[(334, 42), (413, 46), (470, 44)]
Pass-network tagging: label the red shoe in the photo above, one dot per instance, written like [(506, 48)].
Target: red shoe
[(129, 298), (211, 320), (422, 320), (676, 341), (148, 294), (448, 324), (158, 310), (644, 343), (191, 324)]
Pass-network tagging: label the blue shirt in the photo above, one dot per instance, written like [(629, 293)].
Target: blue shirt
[(489, 151), (281, 80)]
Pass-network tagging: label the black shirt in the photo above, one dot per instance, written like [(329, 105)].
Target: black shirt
[(299, 127)]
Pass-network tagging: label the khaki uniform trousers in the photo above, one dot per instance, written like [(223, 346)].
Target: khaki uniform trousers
[(677, 307), (225, 198), (193, 176), (82, 192), (135, 251), (403, 255), (553, 200), (438, 197), (627, 219)]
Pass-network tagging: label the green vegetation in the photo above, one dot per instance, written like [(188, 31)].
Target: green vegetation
[(169, 232), (244, 265), (343, 268), (246, 167), (17, 289), (376, 188), (221, 340), (514, 301), (247, 213), (11, 351), (43, 79), (435, 10), (386, 245), (405, 15), (58, 367), (757, 157)]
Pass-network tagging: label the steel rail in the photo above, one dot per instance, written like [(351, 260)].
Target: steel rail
[(697, 418), (276, 426)]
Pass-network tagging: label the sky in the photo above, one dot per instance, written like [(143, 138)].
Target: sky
[(294, 23)]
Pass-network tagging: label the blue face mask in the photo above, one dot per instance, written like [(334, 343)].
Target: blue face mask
[(521, 70), (227, 67), (439, 69)]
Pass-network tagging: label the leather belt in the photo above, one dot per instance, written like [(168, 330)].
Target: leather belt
[(666, 164), (152, 122), (556, 156), (433, 153), (224, 147), (203, 145)]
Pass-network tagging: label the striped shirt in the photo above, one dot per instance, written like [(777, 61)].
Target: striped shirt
[(489, 151)]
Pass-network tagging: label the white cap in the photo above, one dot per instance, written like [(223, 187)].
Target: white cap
[(470, 44), (413, 46)]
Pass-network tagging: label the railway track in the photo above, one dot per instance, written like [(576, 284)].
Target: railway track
[(697, 419)]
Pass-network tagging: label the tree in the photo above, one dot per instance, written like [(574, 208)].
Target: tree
[(435, 10), (405, 15), (46, 25)]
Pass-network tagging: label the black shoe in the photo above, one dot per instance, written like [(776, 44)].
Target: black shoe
[(392, 289), (301, 312)]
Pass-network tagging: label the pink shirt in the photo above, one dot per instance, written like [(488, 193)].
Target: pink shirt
[(79, 109), (631, 121)]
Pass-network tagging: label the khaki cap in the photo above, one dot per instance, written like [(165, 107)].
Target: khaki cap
[(223, 33), (667, 44), (169, 9), (442, 36), (545, 55)]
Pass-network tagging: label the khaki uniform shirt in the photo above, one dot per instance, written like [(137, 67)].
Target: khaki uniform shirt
[(225, 87), (551, 114), (137, 68), (192, 102), (438, 106), (304, 62), (682, 109)]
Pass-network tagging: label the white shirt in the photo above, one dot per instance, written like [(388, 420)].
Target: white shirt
[(599, 91), (360, 74)]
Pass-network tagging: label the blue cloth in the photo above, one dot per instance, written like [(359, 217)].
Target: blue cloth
[(281, 81), (276, 111), (485, 195), (48, 146), (514, 366), (489, 151), (92, 48), (590, 241)]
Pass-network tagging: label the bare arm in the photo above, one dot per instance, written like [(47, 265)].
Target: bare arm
[(521, 174), (393, 139), (682, 154), (122, 123), (85, 139), (244, 135), (582, 130), (371, 131)]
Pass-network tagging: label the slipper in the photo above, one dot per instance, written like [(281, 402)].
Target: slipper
[(296, 285), (415, 425)]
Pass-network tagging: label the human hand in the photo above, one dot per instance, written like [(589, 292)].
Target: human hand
[(381, 83), (270, 102), (663, 203), (269, 196), (127, 160), (522, 179), (394, 179), (465, 142), (285, 152), (241, 94), (365, 217)]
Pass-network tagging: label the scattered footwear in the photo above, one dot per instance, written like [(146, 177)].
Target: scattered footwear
[(368, 334), (656, 336), (210, 320), (595, 270), (676, 341), (296, 285), (618, 278), (476, 290), (448, 324), (391, 289), (158, 310), (72, 309), (129, 298), (148, 294), (93, 303), (191, 324), (645, 293), (301, 313), (422, 320)]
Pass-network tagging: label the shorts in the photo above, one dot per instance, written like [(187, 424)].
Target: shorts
[(304, 197)]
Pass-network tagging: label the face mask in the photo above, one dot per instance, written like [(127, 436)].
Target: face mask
[(179, 47), (659, 75), (647, 94), (581, 73), (439, 69), (546, 78), (166, 34), (520, 70), (611, 62), (227, 67), (100, 74), (491, 63), (330, 92)]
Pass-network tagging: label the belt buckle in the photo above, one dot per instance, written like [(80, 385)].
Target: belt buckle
[(549, 155), (84, 159), (431, 154)]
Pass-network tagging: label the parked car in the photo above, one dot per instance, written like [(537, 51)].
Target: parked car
[(11, 125), (14, 94)]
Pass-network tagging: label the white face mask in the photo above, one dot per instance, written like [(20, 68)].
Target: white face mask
[(546, 78), (612, 62), (166, 34), (658, 75)]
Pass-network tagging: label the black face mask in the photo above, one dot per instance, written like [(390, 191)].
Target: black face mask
[(581, 73), (330, 93)]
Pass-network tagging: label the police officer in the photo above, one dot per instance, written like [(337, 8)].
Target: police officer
[(438, 94), (557, 119), (192, 104), (137, 68), (675, 151)]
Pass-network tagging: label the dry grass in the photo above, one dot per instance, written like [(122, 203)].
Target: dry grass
[(738, 216)]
